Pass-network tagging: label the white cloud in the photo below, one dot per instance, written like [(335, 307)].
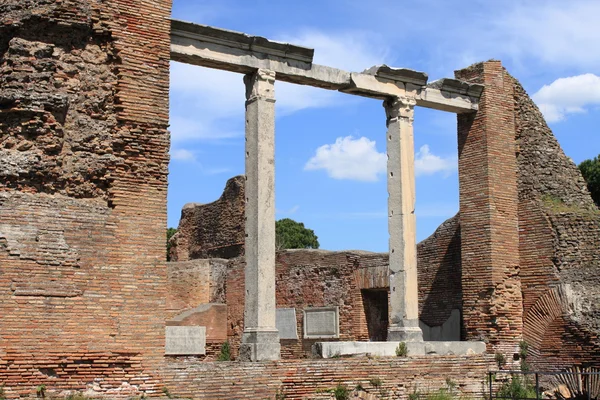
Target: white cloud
[(568, 95), (350, 50), (427, 163), (291, 211), (349, 158), (206, 103), (557, 32), (182, 155), (358, 159)]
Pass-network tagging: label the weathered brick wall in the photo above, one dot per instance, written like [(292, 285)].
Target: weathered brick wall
[(440, 276), (212, 230), (559, 246), (310, 379), (306, 278), (83, 177), (195, 282), (491, 288)]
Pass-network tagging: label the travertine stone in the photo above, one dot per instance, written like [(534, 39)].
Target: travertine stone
[(185, 340), (234, 51), (261, 339), (404, 300), (286, 323), (321, 323)]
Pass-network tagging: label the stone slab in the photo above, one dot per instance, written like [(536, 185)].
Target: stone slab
[(285, 321), (185, 340), (388, 349), (321, 323)]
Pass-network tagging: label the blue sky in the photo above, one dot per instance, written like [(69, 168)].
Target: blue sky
[(330, 147)]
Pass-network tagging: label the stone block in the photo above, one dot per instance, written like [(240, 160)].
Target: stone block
[(388, 349), (321, 323), (185, 340), (286, 323)]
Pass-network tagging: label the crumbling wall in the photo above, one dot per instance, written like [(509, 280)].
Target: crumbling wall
[(83, 177), (439, 273), (307, 278), (214, 230), (559, 246)]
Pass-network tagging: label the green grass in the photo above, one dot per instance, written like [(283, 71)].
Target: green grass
[(556, 206)]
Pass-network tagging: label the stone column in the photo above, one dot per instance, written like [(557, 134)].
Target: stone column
[(260, 340), (404, 298)]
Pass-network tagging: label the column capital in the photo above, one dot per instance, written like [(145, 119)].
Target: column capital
[(260, 85), (400, 107)]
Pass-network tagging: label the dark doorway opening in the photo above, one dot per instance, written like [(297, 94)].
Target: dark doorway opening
[(375, 303)]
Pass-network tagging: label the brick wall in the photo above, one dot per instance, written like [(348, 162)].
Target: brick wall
[(440, 277), (310, 379), (212, 230), (84, 153), (492, 302)]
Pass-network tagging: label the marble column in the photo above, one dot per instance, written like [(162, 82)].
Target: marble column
[(404, 298), (260, 340)]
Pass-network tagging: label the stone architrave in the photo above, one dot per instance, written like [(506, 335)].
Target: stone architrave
[(404, 299), (286, 323), (260, 340), (185, 340), (321, 323)]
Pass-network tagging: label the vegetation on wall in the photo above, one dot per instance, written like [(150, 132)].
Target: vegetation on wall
[(590, 169), (290, 234)]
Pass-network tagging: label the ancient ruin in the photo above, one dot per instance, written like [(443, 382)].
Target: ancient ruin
[(89, 305)]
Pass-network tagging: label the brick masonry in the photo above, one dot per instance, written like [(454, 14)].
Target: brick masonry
[(214, 230), (84, 156), (83, 180), (388, 378)]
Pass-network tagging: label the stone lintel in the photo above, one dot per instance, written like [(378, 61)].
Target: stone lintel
[(398, 74), (236, 52), (455, 86), (257, 45)]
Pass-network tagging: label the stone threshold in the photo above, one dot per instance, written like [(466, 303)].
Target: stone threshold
[(388, 349)]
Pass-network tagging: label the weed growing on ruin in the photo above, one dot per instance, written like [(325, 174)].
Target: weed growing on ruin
[(500, 359), (166, 392), (225, 354), (402, 350), (2, 393), (376, 382), (40, 391), (516, 388), (557, 205), (415, 395), (337, 354), (523, 349), (359, 388), (341, 392)]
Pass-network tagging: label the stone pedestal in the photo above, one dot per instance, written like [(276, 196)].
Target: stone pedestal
[(260, 340), (404, 299)]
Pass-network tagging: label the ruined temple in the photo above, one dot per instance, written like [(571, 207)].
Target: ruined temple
[(88, 303)]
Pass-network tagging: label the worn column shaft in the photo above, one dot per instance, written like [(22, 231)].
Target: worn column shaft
[(260, 340), (404, 298)]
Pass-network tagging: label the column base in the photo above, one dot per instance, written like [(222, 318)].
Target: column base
[(405, 331), (260, 346)]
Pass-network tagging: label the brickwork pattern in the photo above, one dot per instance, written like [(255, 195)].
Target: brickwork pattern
[(310, 379), (84, 156), (439, 273), (214, 230), (492, 302)]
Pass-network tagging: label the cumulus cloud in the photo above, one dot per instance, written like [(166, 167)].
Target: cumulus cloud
[(567, 96), (358, 159), (349, 158), (427, 163), (291, 211)]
